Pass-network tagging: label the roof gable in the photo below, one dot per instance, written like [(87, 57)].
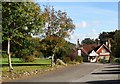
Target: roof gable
[(93, 53), (103, 46), (87, 49)]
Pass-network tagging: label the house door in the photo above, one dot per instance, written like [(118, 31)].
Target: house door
[(93, 58)]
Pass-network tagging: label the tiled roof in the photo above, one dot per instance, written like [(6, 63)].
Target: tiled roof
[(87, 48), (105, 47)]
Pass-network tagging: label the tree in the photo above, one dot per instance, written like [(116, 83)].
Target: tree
[(0, 28), (51, 46), (105, 35), (116, 44), (19, 20), (59, 46), (114, 40), (57, 25), (88, 41)]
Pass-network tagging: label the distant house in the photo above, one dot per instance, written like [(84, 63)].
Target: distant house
[(95, 52), (92, 57), (98, 53)]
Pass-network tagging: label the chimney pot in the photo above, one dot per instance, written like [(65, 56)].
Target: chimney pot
[(98, 41)]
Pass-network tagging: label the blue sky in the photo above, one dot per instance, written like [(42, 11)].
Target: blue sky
[(90, 18)]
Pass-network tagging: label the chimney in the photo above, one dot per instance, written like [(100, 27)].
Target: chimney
[(109, 44), (78, 44), (98, 41)]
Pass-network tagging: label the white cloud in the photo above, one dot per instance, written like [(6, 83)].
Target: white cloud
[(82, 24), (85, 24), (93, 34)]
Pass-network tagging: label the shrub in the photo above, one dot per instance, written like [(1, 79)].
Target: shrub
[(28, 59), (117, 60), (103, 61), (72, 56), (66, 59), (4, 55), (112, 59), (41, 55), (79, 59), (38, 54)]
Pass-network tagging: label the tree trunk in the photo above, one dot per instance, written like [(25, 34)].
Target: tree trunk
[(52, 59), (9, 57)]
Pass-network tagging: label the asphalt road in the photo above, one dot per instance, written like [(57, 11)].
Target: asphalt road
[(87, 72)]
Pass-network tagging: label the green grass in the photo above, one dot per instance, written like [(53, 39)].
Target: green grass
[(19, 61), (42, 61), (21, 67)]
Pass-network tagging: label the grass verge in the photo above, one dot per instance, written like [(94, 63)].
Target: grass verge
[(19, 61), (23, 68), (22, 71)]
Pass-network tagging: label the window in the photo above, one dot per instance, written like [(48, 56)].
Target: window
[(103, 50), (102, 57)]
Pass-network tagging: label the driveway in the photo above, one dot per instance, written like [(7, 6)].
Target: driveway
[(83, 73)]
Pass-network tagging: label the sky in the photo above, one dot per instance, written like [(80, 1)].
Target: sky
[(90, 18)]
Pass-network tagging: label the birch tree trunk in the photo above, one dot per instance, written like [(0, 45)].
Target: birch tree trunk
[(9, 57)]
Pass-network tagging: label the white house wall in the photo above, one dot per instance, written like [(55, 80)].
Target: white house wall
[(93, 53)]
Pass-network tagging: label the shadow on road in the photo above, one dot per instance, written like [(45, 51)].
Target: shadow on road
[(114, 70), (104, 82), (110, 71), (112, 67), (101, 73), (116, 65)]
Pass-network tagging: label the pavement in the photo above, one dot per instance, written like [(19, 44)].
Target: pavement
[(88, 73), (105, 73)]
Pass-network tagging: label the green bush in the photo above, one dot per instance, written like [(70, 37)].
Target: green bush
[(41, 55), (117, 60), (103, 61), (112, 59), (66, 59), (38, 54), (4, 55), (28, 59), (79, 59)]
